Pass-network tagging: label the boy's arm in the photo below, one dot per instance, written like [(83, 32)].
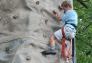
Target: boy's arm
[(57, 16)]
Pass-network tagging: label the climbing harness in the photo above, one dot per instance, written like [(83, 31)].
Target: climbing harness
[(65, 52)]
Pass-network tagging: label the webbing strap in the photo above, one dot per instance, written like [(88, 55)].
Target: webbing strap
[(63, 52), (63, 42)]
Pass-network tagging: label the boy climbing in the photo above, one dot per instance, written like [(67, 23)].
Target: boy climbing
[(68, 31)]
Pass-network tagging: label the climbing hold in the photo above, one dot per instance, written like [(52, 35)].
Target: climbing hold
[(46, 21), (28, 58), (15, 17), (59, 8), (37, 2), (7, 50)]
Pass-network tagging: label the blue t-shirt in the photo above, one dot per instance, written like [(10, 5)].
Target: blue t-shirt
[(70, 17)]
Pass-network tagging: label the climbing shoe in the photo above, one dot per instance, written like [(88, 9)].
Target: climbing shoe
[(49, 52)]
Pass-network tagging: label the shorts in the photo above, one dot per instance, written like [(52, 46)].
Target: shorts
[(69, 31)]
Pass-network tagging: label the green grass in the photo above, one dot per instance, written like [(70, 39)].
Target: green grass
[(84, 33), (83, 51)]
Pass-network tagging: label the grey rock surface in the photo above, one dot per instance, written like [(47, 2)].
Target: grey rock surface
[(25, 28)]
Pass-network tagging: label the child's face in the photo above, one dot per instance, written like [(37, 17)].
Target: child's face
[(64, 8)]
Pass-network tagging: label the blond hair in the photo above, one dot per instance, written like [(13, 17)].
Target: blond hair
[(66, 4)]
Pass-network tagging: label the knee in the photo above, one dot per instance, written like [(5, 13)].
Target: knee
[(52, 38), (70, 35)]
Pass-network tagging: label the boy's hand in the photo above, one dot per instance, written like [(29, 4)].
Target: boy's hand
[(56, 15), (60, 8), (54, 12)]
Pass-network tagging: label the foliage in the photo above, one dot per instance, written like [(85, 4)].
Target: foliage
[(84, 32)]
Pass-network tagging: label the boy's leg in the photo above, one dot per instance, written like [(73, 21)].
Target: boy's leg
[(57, 36), (52, 42), (51, 47)]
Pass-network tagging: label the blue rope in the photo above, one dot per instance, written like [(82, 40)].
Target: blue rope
[(73, 51)]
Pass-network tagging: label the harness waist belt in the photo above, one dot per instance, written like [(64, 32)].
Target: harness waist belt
[(72, 25)]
